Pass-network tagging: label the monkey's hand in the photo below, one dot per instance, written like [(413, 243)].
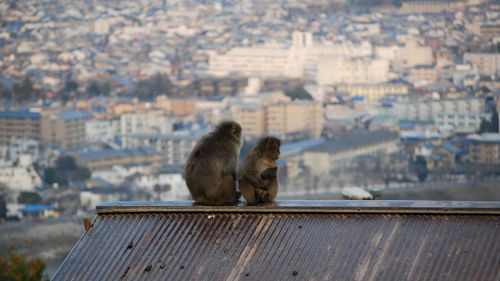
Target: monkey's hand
[(261, 195), (254, 180), (269, 173)]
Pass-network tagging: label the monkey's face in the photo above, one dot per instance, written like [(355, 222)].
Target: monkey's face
[(272, 147)]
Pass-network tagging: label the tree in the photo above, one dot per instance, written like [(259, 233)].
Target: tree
[(66, 163), (421, 170), (298, 93), (4, 190), (29, 198), (51, 176), (16, 267)]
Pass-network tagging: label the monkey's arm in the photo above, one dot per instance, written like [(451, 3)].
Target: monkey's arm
[(269, 173), (251, 176)]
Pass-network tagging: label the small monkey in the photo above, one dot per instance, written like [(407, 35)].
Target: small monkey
[(211, 167), (87, 223), (258, 175)]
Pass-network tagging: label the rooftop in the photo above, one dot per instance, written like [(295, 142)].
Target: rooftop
[(289, 240)]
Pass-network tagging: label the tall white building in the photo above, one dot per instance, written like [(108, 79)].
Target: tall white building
[(340, 70), (296, 61), (145, 122)]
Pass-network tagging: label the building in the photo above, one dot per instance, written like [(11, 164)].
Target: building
[(19, 124), (287, 120), (96, 160), (21, 175), (65, 129), (426, 111), (24, 146), (371, 92), (427, 73), (272, 61), (488, 63), (101, 130), (484, 149), (172, 149), (467, 122), (359, 70), (430, 6), (145, 122), (338, 153), (413, 54)]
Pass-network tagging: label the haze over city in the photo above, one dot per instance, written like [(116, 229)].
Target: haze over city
[(104, 101)]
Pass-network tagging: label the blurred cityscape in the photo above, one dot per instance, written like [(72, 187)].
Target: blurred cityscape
[(104, 100)]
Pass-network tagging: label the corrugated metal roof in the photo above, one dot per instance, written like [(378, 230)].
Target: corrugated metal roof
[(385, 241)]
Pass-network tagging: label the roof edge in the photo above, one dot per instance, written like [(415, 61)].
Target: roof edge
[(309, 206)]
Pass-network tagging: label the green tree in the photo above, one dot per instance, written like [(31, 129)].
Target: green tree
[(66, 163), (421, 170), (15, 267), (51, 176), (29, 198), (484, 126), (158, 84), (24, 90), (298, 93)]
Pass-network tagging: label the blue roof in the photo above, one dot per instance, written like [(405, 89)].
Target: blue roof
[(71, 115), (36, 208), (96, 154), (20, 114), (299, 145)]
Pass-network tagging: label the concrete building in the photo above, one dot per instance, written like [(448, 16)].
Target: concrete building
[(372, 92), (103, 130), (24, 146), (340, 70), (426, 111), (337, 154), (96, 160), (296, 61), (145, 122), (19, 124), (413, 54), (65, 129), (21, 175), (427, 6), (287, 120), (488, 63), (468, 122), (484, 149), (171, 149)]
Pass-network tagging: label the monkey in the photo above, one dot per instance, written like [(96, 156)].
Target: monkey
[(258, 174), (87, 223), (211, 167)]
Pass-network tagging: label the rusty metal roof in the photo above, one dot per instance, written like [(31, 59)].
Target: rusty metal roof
[(291, 240)]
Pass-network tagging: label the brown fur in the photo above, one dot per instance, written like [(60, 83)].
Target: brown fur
[(210, 170), (258, 175)]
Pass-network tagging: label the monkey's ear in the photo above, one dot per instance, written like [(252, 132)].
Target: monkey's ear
[(236, 130)]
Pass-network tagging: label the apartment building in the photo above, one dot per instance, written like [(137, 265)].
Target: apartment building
[(426, 111), (484, 149), (296, 61), (372, 92), (466, 122), (19, 124), (96, 160), (488, 63), (145, 122), (360, 70), (337, 153), (171, 149), (65, 129), (429, 6), (287, 120)]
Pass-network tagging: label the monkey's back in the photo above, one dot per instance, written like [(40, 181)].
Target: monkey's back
[(208, 162)]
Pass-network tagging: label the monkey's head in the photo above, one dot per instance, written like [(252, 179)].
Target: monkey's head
[(229, 128), (270, 147)]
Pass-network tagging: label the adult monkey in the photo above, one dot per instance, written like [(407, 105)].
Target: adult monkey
[(258, 175), (211, 167)]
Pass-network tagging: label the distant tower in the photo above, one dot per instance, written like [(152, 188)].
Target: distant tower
[(302, 39)]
